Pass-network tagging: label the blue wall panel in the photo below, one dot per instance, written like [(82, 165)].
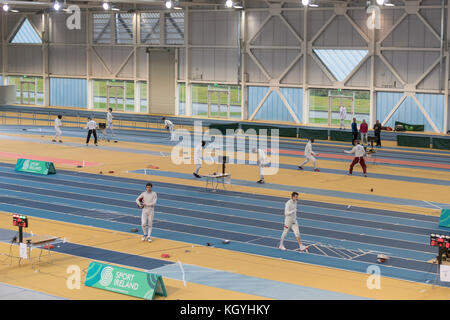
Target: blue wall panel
[(1, 80), (409, 111), (255, 95), (294, 97), (68, 92), (182, 108), (273, 108), (434, 106)]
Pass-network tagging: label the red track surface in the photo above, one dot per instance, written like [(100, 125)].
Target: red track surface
[(67, 162), (377, 160)]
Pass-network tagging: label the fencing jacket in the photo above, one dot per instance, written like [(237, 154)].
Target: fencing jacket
[(358, 150), (290, 209)]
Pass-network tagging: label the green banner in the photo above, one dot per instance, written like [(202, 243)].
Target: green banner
[(125, 281), (282, 131), (413, 141), (342, 135), (441, 143), (35, 166), (444, 220), (224, 127), (312, 133), (410, 127)]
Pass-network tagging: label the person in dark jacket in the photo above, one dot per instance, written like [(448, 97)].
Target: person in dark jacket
[(377, 128), (354, 131)]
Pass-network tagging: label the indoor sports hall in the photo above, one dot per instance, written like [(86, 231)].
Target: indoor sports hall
[(224, 150)]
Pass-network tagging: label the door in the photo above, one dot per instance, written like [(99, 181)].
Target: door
[(116, 96), (161, 84), (28, 92), (219, 103), (335, 101)]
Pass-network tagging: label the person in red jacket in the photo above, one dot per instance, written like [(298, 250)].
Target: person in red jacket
[(363, 129)]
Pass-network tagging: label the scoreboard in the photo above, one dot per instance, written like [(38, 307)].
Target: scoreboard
[(441, 241), (20, 221)]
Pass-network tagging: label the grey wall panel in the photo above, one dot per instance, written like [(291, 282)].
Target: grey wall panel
[(255, 74), (113, 57), (37, 21), (213, 28), (316, 19), (361, 78), (295, 19), (181, 64), (295, 75), (403, 60), (211, 64), (11, 22), (275, 61), (61, 34), (68, 61), (24, 59), (276, 33), (360, 18), (254, 21), (316, 75), (431, 81), (340, 33), (388, 19), (411, 32), (433, 17), (141, 70), (384, 77)]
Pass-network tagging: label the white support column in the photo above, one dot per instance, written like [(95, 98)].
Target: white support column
[(243, 41), (4, 46), (177, 96), (149, 106), (373, 94), (89, 88), (45, 77), (305, 49), (187, 58), (137, 87), (447, 77)]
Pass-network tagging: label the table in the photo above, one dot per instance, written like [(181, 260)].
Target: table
[(39, 241), (213, 180)]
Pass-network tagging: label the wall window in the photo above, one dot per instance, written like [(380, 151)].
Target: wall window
[(174, 27), (101, 28), (357, 104), (115, 94), (124, 27), (216, 101), (29, 90), (181, 87), (143, 96), (26, 34), (150, 28)]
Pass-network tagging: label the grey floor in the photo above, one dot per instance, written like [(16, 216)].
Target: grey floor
[(9, 292)]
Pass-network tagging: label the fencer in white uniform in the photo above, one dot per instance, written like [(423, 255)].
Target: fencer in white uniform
[(147, 201), (262, 162), (342, 116), (309, 155), (109, 123), (198, 157), (290, 222), (169, 126), (58, 131)]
